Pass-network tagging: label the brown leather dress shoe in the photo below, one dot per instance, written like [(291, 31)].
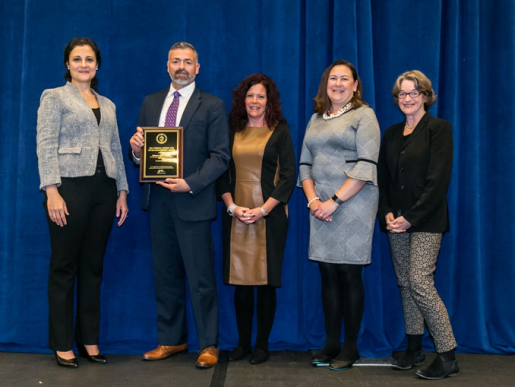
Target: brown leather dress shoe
[(208, 357), (164, 351)]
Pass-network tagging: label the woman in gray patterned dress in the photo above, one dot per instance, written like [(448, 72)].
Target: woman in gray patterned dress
[(339, 178), (415, 166)]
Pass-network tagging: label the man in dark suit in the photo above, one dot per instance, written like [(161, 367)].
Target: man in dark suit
[(181, 210)]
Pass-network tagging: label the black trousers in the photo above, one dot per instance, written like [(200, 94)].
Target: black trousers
[(78, 253)]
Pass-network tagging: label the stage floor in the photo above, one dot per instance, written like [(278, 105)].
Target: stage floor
[(284, 368)]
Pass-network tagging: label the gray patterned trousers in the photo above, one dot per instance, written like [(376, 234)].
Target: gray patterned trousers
[(414, 259)]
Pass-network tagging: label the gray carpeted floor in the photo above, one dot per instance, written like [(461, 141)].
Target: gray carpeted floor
[(284, 368)]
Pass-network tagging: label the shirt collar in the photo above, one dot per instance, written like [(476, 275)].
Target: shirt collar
[(186, 91)]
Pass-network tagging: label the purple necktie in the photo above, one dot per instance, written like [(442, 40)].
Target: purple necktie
[(171, 114)]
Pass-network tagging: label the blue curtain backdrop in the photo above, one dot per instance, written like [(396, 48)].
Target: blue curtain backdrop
[(466, 47)]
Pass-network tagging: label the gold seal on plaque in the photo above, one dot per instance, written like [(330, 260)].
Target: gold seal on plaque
[(161, 138)]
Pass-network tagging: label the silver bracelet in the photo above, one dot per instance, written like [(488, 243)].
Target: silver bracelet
[(263, 211), (231, 208), (312, 200)]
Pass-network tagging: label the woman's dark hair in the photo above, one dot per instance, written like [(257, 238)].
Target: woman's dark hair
[(273, 115), (322, 103), (81, 42)]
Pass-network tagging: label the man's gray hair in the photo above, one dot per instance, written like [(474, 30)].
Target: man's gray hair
[(184, 45)]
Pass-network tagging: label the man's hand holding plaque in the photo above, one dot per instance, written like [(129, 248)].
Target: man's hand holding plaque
[(175, 185), (137, 142)]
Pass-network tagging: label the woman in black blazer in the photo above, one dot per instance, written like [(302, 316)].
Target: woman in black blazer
[(414, 170)]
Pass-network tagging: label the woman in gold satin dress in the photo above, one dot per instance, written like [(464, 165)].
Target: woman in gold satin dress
[(255, 190)]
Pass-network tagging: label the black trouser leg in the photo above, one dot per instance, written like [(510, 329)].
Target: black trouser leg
[(91, 264)]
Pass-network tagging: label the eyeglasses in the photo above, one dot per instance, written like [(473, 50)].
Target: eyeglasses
[(412, 94)]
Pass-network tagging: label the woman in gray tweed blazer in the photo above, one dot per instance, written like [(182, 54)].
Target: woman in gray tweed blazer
[(83, 176)]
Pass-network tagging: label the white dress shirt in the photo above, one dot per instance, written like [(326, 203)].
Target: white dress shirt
[(186, 93)]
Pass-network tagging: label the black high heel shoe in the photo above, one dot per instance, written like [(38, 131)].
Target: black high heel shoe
[(69, 363), (100, 359)]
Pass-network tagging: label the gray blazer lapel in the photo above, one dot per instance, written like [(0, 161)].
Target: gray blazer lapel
[(191, 107), (82, 105), (103, 112)]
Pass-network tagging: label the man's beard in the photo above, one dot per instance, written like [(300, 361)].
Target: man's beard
[(181, 80)]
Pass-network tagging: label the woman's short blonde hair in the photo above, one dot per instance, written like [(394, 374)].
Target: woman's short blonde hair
[(422, 84)]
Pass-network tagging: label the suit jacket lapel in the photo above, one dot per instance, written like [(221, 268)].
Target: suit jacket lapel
[(191, 107), (158, 106), (397, 138), (421, 126)]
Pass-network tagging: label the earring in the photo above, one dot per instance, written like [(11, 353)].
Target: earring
[(97, 67), (68, 68)]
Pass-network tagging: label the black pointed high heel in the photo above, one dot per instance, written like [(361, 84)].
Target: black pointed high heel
[(69, 363), (100, 359)]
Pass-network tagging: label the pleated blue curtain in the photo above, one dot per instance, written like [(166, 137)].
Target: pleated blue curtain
[(466, 47)]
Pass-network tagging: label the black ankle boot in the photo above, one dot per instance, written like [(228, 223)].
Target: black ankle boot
[(408, 359), (444, 365)]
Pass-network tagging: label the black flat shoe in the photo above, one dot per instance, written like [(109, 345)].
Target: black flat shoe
[(323, 358), (408, 359), (239, 353), (259, 356), (100, 359), (70, 363), (440, 369), (343, 362)]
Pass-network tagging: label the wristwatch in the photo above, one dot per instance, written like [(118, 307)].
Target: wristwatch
[(336, 199)]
